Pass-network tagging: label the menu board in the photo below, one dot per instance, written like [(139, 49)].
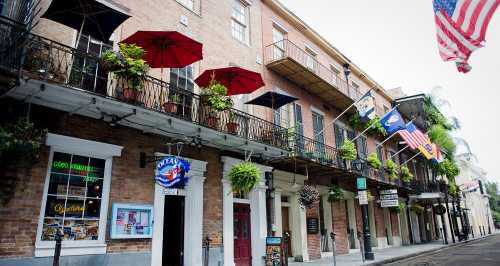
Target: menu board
[(274, 256), (312, 225), (132, 221)]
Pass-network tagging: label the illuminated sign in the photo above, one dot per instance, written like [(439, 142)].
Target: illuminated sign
[(80, 169), (171, 172), (59, 209)]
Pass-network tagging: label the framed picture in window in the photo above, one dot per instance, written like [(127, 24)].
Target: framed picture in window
[(131, 221)]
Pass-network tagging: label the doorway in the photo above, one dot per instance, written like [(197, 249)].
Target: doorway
[(242, 244), (173, 231), (285, 223)]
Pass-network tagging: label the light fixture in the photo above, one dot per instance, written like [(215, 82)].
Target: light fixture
[(347, 70)]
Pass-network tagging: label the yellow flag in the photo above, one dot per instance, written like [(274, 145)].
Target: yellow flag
[(426, 150)]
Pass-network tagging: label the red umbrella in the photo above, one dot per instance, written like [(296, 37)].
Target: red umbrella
[(237, 80), (167, 48)]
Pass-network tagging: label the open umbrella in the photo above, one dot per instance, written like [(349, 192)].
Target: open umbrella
[(237, 80), (167, 48), (97, 18), (272, 100)]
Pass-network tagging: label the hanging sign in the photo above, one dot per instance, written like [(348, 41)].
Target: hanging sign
[(389, 198), (363, 197), (361, 183), (171, 172)]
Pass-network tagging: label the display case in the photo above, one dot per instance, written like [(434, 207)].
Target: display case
[(131, 221)]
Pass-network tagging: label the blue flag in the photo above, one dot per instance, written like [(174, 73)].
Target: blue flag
[(392, 121)]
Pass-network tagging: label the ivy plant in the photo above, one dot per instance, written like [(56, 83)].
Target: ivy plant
[(355, 122), (440, 135), (21, 139), (335, 193), (392, 169), (348, 150), (244, 177), (406, 175), (373, 161)]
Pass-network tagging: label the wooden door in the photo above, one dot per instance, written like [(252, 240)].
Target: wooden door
[(242, 246), (173, 231), (285, 222)]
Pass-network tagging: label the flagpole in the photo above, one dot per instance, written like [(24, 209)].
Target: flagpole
[(373, 124), (343, 112), (418, 153), (385, 140), (404, 148)]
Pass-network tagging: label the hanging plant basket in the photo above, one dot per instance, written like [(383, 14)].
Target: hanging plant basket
[(308, 196), (348, 150), (335, 193), (417, 208), (406, 176), (392, 169), (398, 208), (244, 177), (373, 161)]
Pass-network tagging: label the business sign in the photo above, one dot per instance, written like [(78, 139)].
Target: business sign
[(274, 251), (363, 197), (389, 198), (171, 172), (389, 203), (388, 191), (361, 183)]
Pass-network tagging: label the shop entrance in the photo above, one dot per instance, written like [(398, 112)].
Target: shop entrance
[(173, 231), (242, 244), (285, 221)]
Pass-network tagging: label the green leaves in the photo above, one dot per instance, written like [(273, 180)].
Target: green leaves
[(216, 94), (376, 127), (434, 116), (452, 189), (244, 176), (348, 150), (392, 169), (335, 193), (406, 175), (448, 168), (373, 161), (439, 135)]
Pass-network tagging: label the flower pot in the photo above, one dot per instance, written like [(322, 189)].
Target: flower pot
[(129, 95), (212, 121), (170, 107), (232, 127)]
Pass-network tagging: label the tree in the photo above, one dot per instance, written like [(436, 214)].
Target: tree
[(492, 190)]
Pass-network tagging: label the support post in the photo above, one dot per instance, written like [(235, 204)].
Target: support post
[(449, 217), (445, 234), (366, 234)]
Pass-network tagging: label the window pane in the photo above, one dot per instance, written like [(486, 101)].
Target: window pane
[(96, 168), (49, 229), (60, 163), (79, 165), (74, 208), (58, 184), (92, 207), (77, 186), (55, 206), (94, 188)]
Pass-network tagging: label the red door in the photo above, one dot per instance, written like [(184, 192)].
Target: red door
[(242, 247)]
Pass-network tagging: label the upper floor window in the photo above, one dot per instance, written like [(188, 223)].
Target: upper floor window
[(182, 78), (279, 43), (282, 116), (310, 59), (239, 22), (187, 3)]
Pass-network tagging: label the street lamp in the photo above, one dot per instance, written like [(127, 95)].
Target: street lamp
[(347, 71)]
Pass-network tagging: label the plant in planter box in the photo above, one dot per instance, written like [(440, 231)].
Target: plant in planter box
[(348, 150), (373, 161), (244, 176), (111, 61), (128, 65), (406, 175), (172, 104), (308, 196), (232, 125), (335, 193), (21, 140), (392, 169)]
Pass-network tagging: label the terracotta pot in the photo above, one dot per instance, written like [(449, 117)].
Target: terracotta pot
[(170, 107), (212, 121), (232, 127), (129, 95)]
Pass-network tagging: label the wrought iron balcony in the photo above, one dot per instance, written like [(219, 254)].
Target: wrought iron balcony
[(70, 69), (301, 68)]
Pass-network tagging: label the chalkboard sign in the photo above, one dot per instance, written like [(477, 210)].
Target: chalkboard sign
[(312, 225)]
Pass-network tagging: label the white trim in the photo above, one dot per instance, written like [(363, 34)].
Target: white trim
[(88, 148), (279, 26), (310, 48), (318, 111), (242, 201)]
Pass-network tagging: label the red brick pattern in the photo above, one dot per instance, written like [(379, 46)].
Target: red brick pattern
[(394, 224), (379, 220), (340, 227), (313, 240)]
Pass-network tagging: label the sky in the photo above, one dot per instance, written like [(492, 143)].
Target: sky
[(394, 42)]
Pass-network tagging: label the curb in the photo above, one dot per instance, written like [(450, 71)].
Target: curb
[(417, 254)]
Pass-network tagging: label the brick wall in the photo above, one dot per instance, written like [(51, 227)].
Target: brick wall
[(129, 183), (339, 218), (379, 220), (394, 224), (314, 240)]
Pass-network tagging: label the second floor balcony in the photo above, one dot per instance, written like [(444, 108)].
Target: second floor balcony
[(303, 69)]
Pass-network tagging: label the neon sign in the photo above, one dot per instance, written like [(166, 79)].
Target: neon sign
[(80, 169)]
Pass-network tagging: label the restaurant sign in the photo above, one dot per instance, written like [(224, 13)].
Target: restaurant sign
[(171, 172), (389, 198)]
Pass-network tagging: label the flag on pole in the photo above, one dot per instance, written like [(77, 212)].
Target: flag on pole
[(426, 150), (366, 105), (436, 152), (413, 136), (392, 121), (461, 28)]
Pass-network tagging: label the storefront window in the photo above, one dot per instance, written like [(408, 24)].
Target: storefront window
[(74, 197)]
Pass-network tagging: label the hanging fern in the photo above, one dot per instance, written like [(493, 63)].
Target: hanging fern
[(335, 193), (244, 177), (406, 175), (448, 168), (439, 135), (376, 127), (348, 150), (392, 169), (373, 161), (308, 196), (355, 122), (452, 189), (434, 116), (401, 207)]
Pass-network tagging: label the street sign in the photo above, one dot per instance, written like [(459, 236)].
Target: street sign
[(389, 203), (361, 183), (389, 191), (363, 197), (389, 197)]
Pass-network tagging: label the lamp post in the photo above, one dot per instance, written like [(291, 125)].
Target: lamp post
[(347, 72)]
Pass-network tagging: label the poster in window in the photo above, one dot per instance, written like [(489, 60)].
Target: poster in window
[(132, 221)]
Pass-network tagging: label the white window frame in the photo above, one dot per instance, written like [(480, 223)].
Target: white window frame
[(94, 149), (245, 24)]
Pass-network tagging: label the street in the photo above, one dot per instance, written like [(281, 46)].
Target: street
[(484, 252)]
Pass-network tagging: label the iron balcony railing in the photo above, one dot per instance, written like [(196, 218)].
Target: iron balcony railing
[(425, 186), (47, 60), (286, 49)]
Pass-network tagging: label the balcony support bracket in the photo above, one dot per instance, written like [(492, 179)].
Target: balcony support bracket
[(93, 101)]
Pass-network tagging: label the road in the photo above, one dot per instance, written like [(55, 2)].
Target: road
[(484, 252)]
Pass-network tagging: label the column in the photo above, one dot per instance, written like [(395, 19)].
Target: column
[(327, 211), (227, 222), (258, 223), (277, 213), (193, 228), (299, 233), (351, 211), (388, 226)]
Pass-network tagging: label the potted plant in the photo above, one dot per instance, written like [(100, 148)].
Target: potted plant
[(348, 150), (232, 125), (308, 196), (128, 65), (172, 103), (417, 208), (406, 175), (215, 96), (392, 169), (376, 127), (212, 120), (335, 193), (373, 161), (398, 208), (21, 141), (244, 177)]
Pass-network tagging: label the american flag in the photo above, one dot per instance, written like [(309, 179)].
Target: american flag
[(461, 28), (413, 136)]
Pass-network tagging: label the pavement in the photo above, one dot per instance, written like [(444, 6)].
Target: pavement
[(424, 252)]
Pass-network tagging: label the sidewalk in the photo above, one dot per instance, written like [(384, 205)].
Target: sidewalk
[(380, 255)]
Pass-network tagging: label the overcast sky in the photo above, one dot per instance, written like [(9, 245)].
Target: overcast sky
[(394, 42)]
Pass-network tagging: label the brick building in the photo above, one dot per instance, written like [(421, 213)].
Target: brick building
[(91, 129)]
